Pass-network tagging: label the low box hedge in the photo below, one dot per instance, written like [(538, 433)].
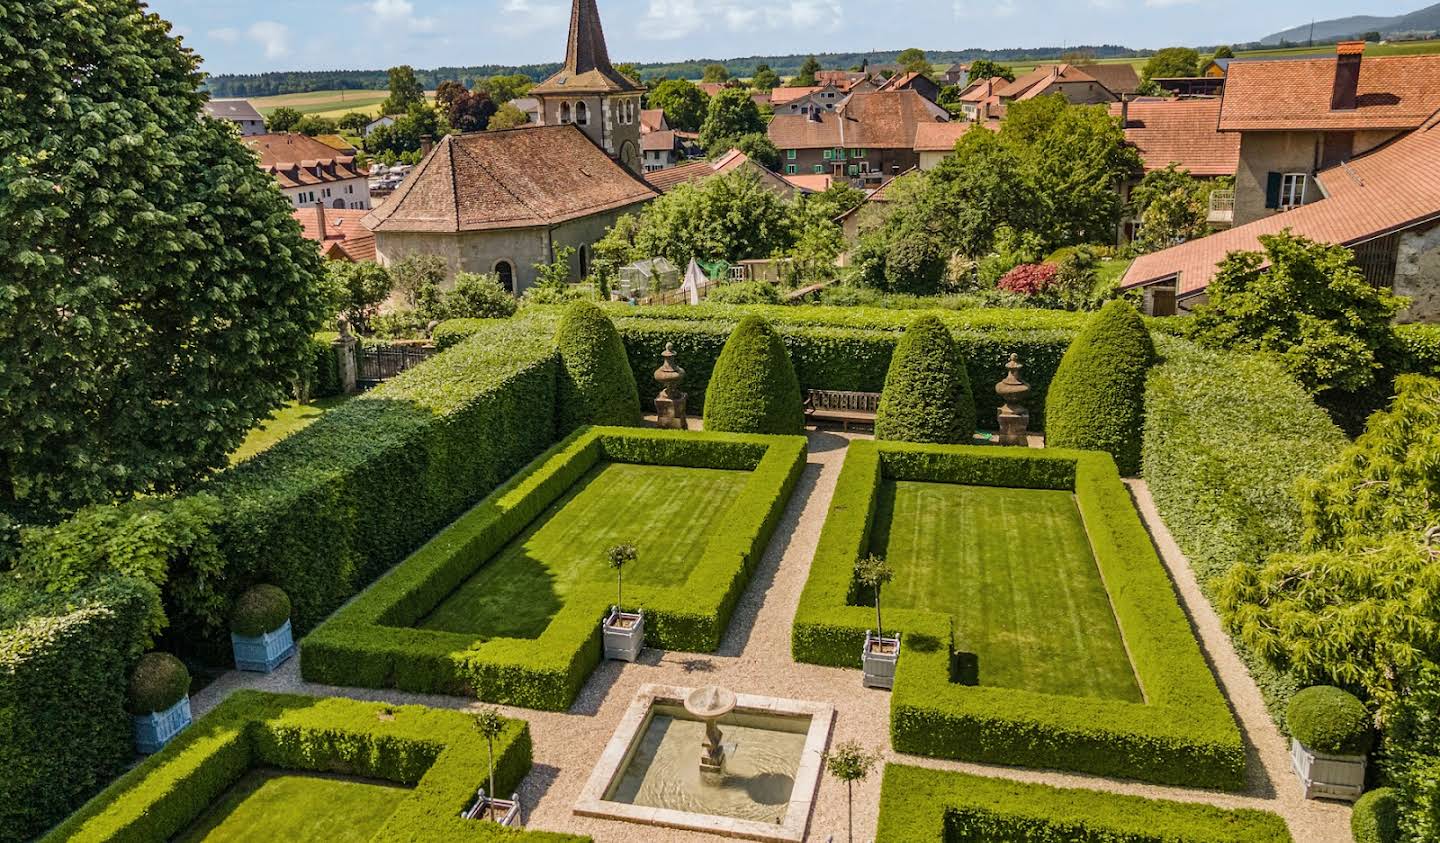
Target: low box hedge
[(1184, 734), (372, 642), (936, 806), (437, 753)]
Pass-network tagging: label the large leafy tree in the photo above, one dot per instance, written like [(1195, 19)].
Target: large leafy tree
[(283, 119), (156, 295), (731, 114), (683, 102), (982, 69), (1171, 62), (765, 79), (405, 90), (1172, 207), (715, 73), (914, 60), (806, 76)]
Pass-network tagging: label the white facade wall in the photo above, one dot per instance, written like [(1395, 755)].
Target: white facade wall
[(350, 193)]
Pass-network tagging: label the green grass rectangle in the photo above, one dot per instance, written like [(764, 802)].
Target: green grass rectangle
[(296, 807)]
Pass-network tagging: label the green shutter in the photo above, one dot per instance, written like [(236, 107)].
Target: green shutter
[(790, 154), (854, 169), (1272, 190), (820, 169), (830, 155), (791, 169)]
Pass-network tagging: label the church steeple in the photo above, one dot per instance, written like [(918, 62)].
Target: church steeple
[(587, 65)]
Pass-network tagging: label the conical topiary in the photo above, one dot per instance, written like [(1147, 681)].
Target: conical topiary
[(753, 388), (596, 384), (1097, 398), (927, 390)]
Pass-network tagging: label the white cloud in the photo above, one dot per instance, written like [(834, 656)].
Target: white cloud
[(666, 20), (523, 17), (273, 37), (390, 14)]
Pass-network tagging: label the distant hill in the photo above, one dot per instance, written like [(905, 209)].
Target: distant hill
[(1425, 20)]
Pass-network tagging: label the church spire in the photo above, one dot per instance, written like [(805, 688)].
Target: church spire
[(586, 50)]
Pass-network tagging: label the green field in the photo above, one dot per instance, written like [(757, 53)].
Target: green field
[(666, 512), (327, 103), (269, 805), (1014, 568)]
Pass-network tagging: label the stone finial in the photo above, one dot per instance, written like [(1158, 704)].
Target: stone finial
[(1014, 417), (670, 403), (343, 326)]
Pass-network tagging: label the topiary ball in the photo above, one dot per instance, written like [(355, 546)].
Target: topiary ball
[(1331, 721), (261, 609), (160, 680), (753, 388), (927, 390), (1096, 401), (1376, 817), (596, 384)]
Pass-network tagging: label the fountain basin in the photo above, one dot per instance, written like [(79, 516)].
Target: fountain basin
[(650, 772)]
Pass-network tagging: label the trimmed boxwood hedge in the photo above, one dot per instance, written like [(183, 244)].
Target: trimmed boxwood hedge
[(158, 682), (1330, 720), (437, 753), (372, 642), (1376, 817), (927, 393), (936, 806), (596, 384), (754, 389), (1184, 734)]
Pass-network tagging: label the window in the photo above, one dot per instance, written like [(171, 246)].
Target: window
[(505, 271), (564, 112), (791, 170), (582, 114), (829, 155), (790, 154), (839, 154), (859, 153), (1284, 191), (819, 169), (325, 193)]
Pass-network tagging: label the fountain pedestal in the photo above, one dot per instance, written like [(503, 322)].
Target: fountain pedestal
[(710, 704)]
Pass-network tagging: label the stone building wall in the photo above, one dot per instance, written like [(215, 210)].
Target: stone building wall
[(1417, 274)]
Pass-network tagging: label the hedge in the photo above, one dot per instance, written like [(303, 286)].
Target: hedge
[(325, 365), (372, 641), (1331, 721), (437, 753), (754, 388), (596, 384), (262, 608), (927, 394), (64, 662), (158, 682), (1226, 438), (1376, 818), (1184, 734), (934, 806)]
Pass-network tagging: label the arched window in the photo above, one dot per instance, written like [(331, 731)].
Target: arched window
[(505, 271), (582, 114), (564, 112)]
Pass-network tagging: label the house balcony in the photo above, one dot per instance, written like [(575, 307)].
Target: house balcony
[(1222, 209)]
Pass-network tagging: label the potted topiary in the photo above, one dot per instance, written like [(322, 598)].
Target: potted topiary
[(260, 629), (850, 763), (158, 700), (1330, 734), (490, 724), (624, 632), (881, 653)]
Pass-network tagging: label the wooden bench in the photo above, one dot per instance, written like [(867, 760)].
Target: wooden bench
[(847, 408)]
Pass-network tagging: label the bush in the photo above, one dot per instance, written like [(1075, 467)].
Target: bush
[(915, 265), (324, 378), (1375, 818), (596, 385), (754, 388), (261, 609), (746, 292), (1029, 279), (1331, 721), (159, 681), (927, 393), (477, 297), (1097, 400)]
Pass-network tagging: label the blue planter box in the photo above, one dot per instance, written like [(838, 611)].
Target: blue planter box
[(153, 731), (263, 653)]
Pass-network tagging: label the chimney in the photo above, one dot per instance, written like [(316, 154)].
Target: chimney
[(1347, 74), (1124, 112), (320, 221), (427, 143)]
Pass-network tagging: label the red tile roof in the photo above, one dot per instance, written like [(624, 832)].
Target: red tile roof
[(1118, 77), (1042, 77), (1391, 189), (296, 160), (1182, 132), (696, 171), (653, 120), (983, 90), (811, 182), (876, 120), (518, 178), (344, 238), (657, 141), (783, 96), (1394, 92), (942, 137)]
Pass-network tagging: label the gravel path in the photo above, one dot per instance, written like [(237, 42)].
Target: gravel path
[(754, 657)]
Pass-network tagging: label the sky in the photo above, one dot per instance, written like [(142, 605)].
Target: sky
[(260, 35)]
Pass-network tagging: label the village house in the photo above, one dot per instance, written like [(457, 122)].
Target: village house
[(956, 74), (866, 140), (1068, 80), (309, 171), (917, 82), (732, 161), (1119, 78), (934, 142), (380, 122), (1182, 133), (239, 112), (661, 150), (338, 233), (806, 100), (980, 100)]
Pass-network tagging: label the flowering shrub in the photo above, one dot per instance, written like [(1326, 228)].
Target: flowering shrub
[(1030, 279)]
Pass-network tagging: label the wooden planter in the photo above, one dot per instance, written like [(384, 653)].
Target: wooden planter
[(263, 653), (154, 730), (624, 634), (879, 658), (1328, 776), (505, 811)]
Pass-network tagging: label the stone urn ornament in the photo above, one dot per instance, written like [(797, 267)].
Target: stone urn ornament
[(1014, 418), (670, 403)]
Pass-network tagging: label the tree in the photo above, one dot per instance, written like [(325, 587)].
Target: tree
[(156, 295), (476, 296), (980, 188), (684, 104), (1306, 302), (1224, 52), (503, 89), (757, 146), (313, 124), (489, 724), (765, 79), (509, 116), (596, 385), (405, 91), (982, 69), (618, 557), (1412, 762), (629, 71), (418, 278), (282, 119), (357, 290), (467, 111), (927, 389), (753, 388), (354, 122), (730, 114), (874, 572), (839, 198), (850, 763), (407, 133), (1170, 63), (1172, 207), (715, 73), (914, 60), (805, 78), (448, 92)]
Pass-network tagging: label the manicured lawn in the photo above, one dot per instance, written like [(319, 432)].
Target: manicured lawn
[(271, 805), (1015, 570), (665, 511), (289, 419)]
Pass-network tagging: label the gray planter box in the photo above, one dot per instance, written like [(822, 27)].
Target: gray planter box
[(501, 811), (880, 666), (263, 653), (154, 730), (624, 635), (1328, 776)]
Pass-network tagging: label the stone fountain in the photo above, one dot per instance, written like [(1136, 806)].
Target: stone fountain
[(710, 704)]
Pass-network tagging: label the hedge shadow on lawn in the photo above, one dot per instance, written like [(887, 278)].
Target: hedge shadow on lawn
[(372, 641), (437, 753), (1183, 734)]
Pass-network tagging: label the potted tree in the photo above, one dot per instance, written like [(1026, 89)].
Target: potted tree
[(158, 700), (260, 629), (490, 724), (1330, 735), (850, 763), (881, 653), (624, 632)]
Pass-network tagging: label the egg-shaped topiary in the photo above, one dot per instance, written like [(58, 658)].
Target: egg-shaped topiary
[(160, 680), (1376, 817), (1096, 401), (927, 390), (753, 388), (596, 384), (1330, 721), (261, 609)]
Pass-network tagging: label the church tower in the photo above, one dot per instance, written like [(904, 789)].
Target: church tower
[(592, 94)]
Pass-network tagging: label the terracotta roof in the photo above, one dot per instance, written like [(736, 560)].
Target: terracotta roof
[(657, 141), (899, 83), (782, 96), (1119, 78), (879, 196), (653, 120), (942, 137), (983, 90), (697, 171), (811, 182), (587, 61), (872, 120), (296, 160), (1040, 78), (1394, 92), (338, 143), (712, 88), (1391, 189), (345, 237), (1181, 132), (517, 178), (232, 110)]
